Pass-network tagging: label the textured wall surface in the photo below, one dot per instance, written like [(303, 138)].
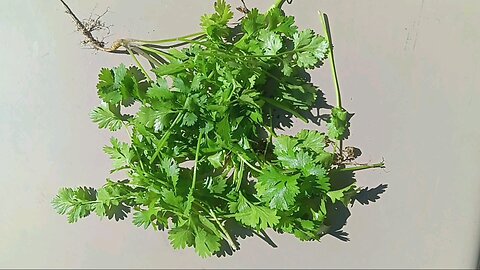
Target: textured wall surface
[(409, 69)]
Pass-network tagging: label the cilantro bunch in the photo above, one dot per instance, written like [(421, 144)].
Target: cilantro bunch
[(203, 150)]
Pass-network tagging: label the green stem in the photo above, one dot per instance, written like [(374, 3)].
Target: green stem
[(229, 239), (285, 108), (328, 36), (194, 178), (239, 176), (278, 4), (145, 55), (138, 63), (134, 147), (157, 52), (170, 40), (361, 167), (250, 165), (165, 137)]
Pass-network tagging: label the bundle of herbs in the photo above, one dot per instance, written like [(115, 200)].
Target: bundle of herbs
[(204, 150)]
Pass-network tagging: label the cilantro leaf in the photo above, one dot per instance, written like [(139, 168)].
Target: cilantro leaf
[(160, 90), (271, 42), (217, 159), (206, 244), (118, 85), (312, 140), (145, 217), (215, 25), (106, 118), (341, 194), (189, 119), (338, 124), (181, 237), (253, 22), (171, 169), (277, 189), (119, 153), (74, 202), (254, 216), (311, 49)]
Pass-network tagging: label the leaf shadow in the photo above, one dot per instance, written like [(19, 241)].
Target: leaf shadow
[(338, 213), (370, 195), (295, 88), (117, 212), (237, 232)]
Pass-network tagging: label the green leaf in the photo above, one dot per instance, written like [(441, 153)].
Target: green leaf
[(306, 60), (209, 225), (259, 217), (171, 68), (312, 140), (145, 217), (160, 90), (189, 119), (118, 85), (271, 42), (253, 21), (277, 189), (154, 118), (323, 182), (181, 237), (171, 169), (215, 25), (75, 203), (285, 146), (339, 195), (206, 244), (105, 118), (278, 22), (119, 153), (223, 130), (311, 49), (216, 185), (169, 197), (303, 38), (338, 124), (217, 159)]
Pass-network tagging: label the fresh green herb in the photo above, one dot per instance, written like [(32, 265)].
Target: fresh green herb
[(198, 155)]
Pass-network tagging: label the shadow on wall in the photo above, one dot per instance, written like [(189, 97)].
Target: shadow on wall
[(337, 215)]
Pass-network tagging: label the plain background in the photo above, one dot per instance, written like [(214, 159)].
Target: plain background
[(410, 70)]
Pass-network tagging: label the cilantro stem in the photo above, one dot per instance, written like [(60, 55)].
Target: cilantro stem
[(138, 63), (328, 36), (229, 239), (151, 59), (361, 167), (239, 176), (134, 147), (250, 165), (194, 178), (157, 52), (285, 108), (278, 4), (169, 40)]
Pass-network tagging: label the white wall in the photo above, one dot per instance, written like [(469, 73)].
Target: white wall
[(409, 69)]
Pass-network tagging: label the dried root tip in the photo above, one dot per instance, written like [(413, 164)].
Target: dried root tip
[(88, 26)]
